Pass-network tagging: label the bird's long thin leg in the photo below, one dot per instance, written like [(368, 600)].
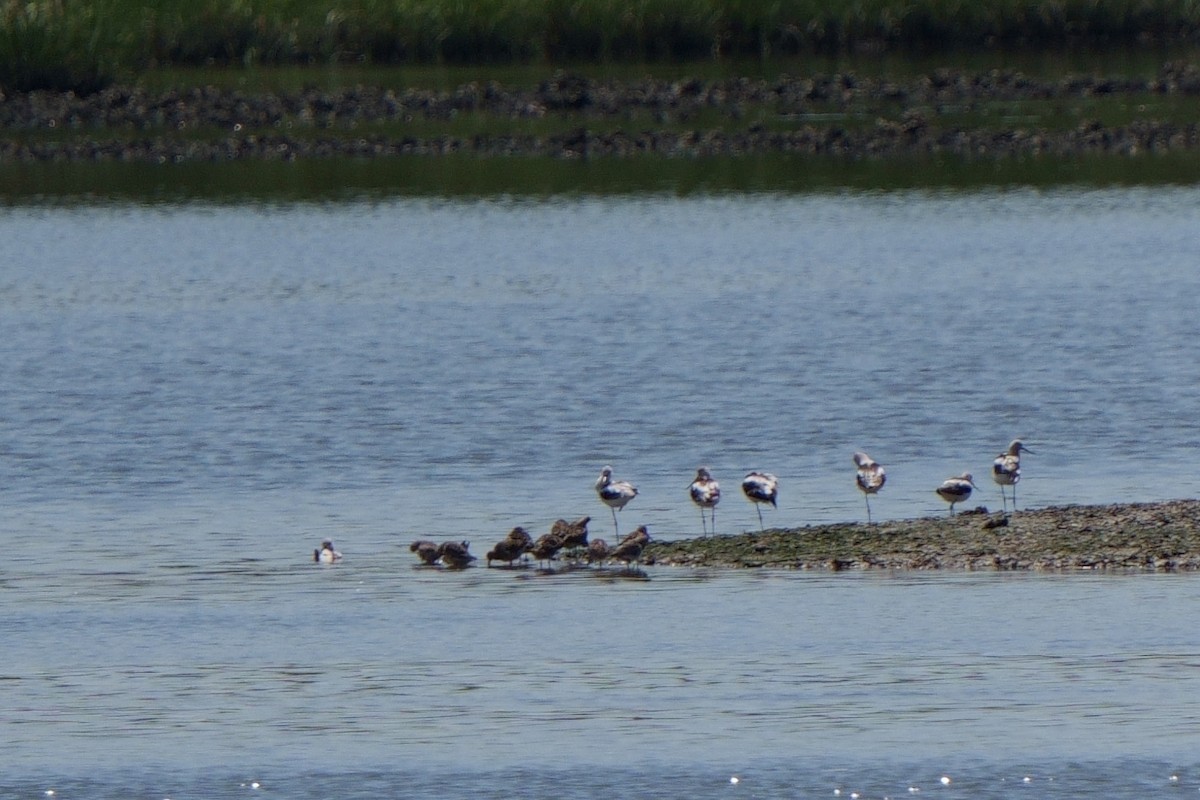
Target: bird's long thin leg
[(867, 497), (761, 526), (1014, 497), (616, 531), (703, 521)]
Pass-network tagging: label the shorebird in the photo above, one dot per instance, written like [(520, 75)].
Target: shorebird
[(511, 547), (426, 550), (614, 494), (630, 548), (870, 478), (597, 550), (326, 554), (761, 487), (956, 490), (706, 493), (1006, 470), (573, 534), (546, 547), (455, 555)]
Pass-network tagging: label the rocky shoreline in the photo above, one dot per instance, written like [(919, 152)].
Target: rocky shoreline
[(1145, 537), (945, 112)]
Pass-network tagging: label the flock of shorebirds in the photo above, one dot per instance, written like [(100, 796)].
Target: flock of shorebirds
[(758, 487)]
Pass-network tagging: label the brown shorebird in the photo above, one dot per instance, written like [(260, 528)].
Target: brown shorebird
[(546, 547), (870, 478), (761, 487), (630, 548), (597, 551), (956, 490), (426, 550), (1006, 470), (512, 547), (572, 534), (455, 554), (614, 494), (706, 493)]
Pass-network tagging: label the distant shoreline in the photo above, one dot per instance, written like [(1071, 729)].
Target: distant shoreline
[(970, 115), (1149, 537)]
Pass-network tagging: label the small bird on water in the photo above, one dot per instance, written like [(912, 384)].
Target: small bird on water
[(706, 493), (614, 494), (870, 478), (426, 550), (1006, 470), (956, 490), (761, 487), (455, 555), (326, 554), (511, 547)]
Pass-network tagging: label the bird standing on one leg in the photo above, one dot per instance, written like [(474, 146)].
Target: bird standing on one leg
[(870, 478), (614, 494), (706, 493), (1006, 470), (761, 487), (956, 490)]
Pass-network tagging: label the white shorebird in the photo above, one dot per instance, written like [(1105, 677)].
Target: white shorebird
[(1006, 470), (761, 487), (870, 478), (706, 493), (614, 494), (956, 490)]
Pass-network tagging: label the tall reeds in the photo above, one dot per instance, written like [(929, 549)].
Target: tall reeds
[(82, 45), (54, 44)]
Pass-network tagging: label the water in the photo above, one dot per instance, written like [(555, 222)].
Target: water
[(194, 395)]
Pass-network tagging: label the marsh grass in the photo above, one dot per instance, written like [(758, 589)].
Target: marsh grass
[(83, 45), (54, 45)]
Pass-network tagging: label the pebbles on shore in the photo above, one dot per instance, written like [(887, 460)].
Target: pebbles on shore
[(811, 115), (1158, 537)]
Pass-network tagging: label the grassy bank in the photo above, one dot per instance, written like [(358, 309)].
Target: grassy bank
[(81, 45)]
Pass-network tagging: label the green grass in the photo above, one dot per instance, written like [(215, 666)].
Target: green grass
[(86, 44)]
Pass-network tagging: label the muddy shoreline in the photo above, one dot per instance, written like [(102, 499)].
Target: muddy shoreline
[(1148, 537), (945, 112)]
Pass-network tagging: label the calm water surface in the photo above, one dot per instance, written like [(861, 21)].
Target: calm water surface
[(194, 395)]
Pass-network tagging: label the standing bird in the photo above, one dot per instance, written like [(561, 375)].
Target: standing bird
[(630, 548), (614, 494), (870, 478), (546, 547), (1006, 470), (326, 555), (761, 487), (573, 534), (956, 490), (511, 547), (597, 550), (426, 550), (706, 493), (455, 555)]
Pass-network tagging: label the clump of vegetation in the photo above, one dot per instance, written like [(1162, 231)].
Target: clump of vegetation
[(53, 45), (73, 44)]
